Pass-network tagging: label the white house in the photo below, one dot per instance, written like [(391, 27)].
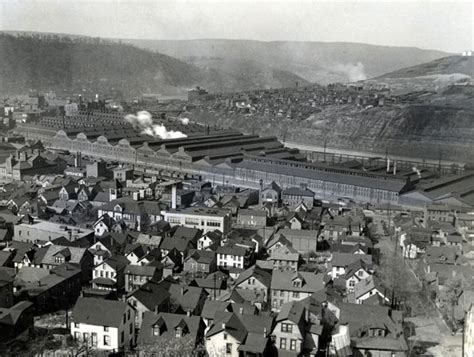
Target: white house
[(103, 324), (231, 256)]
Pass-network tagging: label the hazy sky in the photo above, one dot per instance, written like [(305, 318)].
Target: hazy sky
[(431, 24)]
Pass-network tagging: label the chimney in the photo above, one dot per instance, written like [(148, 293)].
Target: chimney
[(156, 309), (223, 325), (182, 290), (388, 164), (241, 310), (188, 313), (394, 167), (264, 332), (173, 197)]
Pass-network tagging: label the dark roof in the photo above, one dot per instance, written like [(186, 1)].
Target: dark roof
[(99, 312), (297, 191), (151, 294), (261, 275)]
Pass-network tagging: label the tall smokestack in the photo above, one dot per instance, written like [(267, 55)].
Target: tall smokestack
[(388, 164), (394, 167), (173, 197)]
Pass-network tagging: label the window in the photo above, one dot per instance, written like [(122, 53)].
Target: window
[(94, 339), (228, 348), (76, 325), (178, 332), (131, 328), (106, 340), (77, 335), (122, 337), (293, 345), (124, 318), (283, 343), (156, 330), (128, 315), (286, 328), (352, 283), (296, 294), (85, 336), (225, 336), (360, 273), (106, 328)]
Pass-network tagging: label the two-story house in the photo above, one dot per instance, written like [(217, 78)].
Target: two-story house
[(287, 286), (104, 324)]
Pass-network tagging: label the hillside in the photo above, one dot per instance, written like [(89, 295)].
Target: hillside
[(71, 65), (445, 65), (318, 62)]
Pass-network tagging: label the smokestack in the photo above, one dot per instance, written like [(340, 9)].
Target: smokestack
[(173, 197), (394, 167), (388, 164)]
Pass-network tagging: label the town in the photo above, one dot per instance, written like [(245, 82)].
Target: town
[(130, 227)]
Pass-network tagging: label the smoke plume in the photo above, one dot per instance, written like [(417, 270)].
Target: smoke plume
[(184, 121), (353, 72), (144, 121)]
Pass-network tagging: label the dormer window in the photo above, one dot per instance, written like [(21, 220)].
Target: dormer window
[(297, 283), (156, 330), (179, 332), (117, 208)]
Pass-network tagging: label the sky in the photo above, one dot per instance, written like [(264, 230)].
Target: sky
[(432, 24)]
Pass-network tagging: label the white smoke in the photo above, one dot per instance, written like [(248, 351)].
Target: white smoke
[(144, 120), (353, 72), (418, 172), (184, 121)]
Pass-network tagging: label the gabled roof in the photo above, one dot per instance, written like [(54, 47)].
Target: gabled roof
[(292, 311), (261, 275), (168, 322), (201, 256), (151, 294), (284, 280), (99, 312), (345, 259)]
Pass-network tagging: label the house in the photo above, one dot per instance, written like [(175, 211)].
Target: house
[(293, 196), (276, 242), (203, 261), (340, 226), (109, 275), (251, 218), (16, 320), (182, 240), (355, 272), (287, 286), (289, 331), (341, 261), (374, 330), (135, 253), (454, 240), (105, 324), (55, 255), (135, 214), (187, 299), (271, 195), (232, 256), (161, 329), (105, 224), (138, 275), (256, 279), (294, 221), (172, 263), (234, 334), (209, 240), (285, 258), (414, 241), (205, 219), (151, 296), (366, 289)]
